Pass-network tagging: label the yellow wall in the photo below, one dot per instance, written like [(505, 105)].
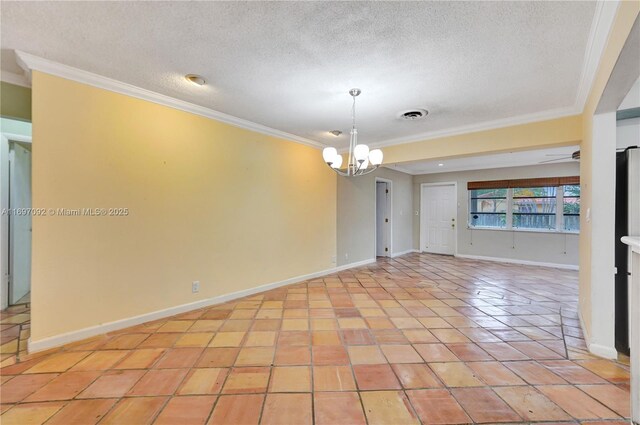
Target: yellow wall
[(625, 18), (15, 101), (557, 132), (208, 201)]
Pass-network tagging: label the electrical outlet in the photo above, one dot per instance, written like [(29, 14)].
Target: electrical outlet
[(195, 287)]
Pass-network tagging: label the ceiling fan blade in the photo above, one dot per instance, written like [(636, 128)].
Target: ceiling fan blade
[(558, 154), (554, 160)]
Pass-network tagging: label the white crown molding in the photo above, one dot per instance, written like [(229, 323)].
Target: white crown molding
[(487, 125), (13, 78), (30, 62), (400, 168), (601, 25)]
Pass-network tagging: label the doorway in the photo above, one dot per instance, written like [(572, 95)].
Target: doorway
[(15, 253), (438, 213), (383, 217)]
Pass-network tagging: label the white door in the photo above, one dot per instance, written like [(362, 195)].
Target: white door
[(383, 223), (438, 219), (19, 225)]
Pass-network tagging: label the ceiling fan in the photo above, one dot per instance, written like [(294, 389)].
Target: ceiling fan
[(563, 157)]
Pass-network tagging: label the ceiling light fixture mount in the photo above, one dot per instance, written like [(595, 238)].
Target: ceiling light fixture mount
[(336, 132), (195, 79), (360, 158)]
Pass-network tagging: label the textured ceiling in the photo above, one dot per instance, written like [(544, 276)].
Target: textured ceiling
[(289, 65), (501, 160)]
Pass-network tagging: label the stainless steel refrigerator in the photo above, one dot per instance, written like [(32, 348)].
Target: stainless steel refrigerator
[(627, 223)]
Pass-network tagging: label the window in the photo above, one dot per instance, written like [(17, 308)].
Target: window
[(550, 203), (571, 208), (534, 208), (488, 208)]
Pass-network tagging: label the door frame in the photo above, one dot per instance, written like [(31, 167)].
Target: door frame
[(423, 215), (375, 215), (5, 138)]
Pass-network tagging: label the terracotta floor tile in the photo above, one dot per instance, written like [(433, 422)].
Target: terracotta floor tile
[(227, 339), (333, 378), (158, 382), (416, 376), (261, 339), (23, 385), (419, 336), (140, 359), (206, 326), (290, 379), (495, 373), (295, 325), (469, 352), (137, 410), (434, 323), (338, 408), (400, 354), (535, 350), (218, 357), (379, 323), (237, 409), (189, 410), (450, 336), (531, 405), (113, 384), (82, 412), (287, 409), (266, 325), (324, 324), (291, 356), (572, 372), (64, 387), (124, 342), (329, 355), (179, 358), (100, 360), (352, 323), (365, 354), (455, 374), (164, 340), (484, 405), (357, 337), (611, 396), (58, 362), (437, 407), (503, 352), (203, 381), (236, 326), (576, 403), (325, 338), (294, 338), (176, 326), (255, 356), (534, 373), (435, 353), (387, 407), (375, 377), (247, 380), (606, 369), (30, 414), (194, 339)]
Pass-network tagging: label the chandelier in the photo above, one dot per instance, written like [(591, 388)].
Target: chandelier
[(361, 160)]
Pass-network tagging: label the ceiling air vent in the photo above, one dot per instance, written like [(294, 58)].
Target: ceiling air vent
[(414, 114)]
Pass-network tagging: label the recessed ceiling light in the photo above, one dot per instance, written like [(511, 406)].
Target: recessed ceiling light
[(195, 79), (441, 165), (413, 114), (336, 132)]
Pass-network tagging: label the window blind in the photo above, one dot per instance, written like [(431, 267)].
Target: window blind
[(536, 182)]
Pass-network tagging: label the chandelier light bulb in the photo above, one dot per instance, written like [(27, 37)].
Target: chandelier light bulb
[(329, 155), (375, 157), (337, 162), (361, 152)]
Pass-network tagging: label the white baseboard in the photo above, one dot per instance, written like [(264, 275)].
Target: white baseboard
[(516, 261), (398, 254), (596, 349), (73, 336)]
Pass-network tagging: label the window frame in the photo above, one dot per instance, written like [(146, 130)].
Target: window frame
[(559, 214)]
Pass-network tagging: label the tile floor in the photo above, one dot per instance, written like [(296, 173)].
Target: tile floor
[(417, 339)]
